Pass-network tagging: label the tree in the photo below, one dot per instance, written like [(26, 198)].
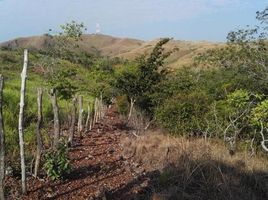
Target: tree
[(65, 44), (246, 51), (140, 80), (62, 82), (127, 82)]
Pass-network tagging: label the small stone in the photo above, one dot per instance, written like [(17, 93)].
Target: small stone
[(111, 150)]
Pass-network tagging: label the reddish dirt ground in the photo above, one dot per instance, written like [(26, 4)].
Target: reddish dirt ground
[(99, 169)]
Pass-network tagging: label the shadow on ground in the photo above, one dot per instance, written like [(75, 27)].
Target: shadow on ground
[(197, 180)]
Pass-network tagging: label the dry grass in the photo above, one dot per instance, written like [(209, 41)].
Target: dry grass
[(195, 169)]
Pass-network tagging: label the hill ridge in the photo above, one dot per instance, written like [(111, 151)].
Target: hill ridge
[(123, 47)]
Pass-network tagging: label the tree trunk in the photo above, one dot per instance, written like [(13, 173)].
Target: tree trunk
[(22, 103), (39, 143), (73, 118), (132, 101), (2, 142), (88, 117), (55, 106), (80, 116)]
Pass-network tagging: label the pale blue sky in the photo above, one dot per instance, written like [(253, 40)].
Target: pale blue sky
[(143, 19)]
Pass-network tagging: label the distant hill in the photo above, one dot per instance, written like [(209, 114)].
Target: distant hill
[(121, 47)]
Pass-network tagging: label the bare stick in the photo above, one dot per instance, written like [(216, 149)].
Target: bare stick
[(22, 103), (2, 143), (132, 102), (38, 133)]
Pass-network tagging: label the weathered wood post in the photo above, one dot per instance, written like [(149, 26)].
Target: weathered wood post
[(73, 119), (2, 142), (20, 127), (39, 144), (101, 107), (88, 118), (53, 97), (95, 120), (80, 116)]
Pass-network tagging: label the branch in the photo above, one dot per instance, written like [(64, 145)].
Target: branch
[(263, 139)]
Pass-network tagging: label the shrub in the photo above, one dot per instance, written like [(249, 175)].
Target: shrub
[(57, 163), (122, 104), (183, 113)]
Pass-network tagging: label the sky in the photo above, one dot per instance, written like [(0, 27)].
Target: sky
[(194, 20)]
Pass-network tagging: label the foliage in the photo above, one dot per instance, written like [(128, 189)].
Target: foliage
[(57, 163), (259, 114), (183, 113), (122, 104), (63, 83), (73, 30), (246, 51), (139, 80), (65, 44)]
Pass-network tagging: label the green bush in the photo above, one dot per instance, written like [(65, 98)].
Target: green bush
[(122, 104), (183, 113), (57, 163)]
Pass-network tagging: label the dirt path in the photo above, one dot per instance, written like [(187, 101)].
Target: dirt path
[(99, 170)]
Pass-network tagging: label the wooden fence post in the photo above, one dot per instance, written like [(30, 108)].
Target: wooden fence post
[(73, 119), (80, 116), (55, 106), (95, 120), (38, 133), (88, 118), (2, 142), (20, 127)]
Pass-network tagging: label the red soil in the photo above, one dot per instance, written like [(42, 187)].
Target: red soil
[(99, 170)]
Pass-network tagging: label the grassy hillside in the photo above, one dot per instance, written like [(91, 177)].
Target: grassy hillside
[(126, 48), (85, 82)]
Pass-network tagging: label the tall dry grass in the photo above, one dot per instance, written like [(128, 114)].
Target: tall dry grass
[(196, 169)]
